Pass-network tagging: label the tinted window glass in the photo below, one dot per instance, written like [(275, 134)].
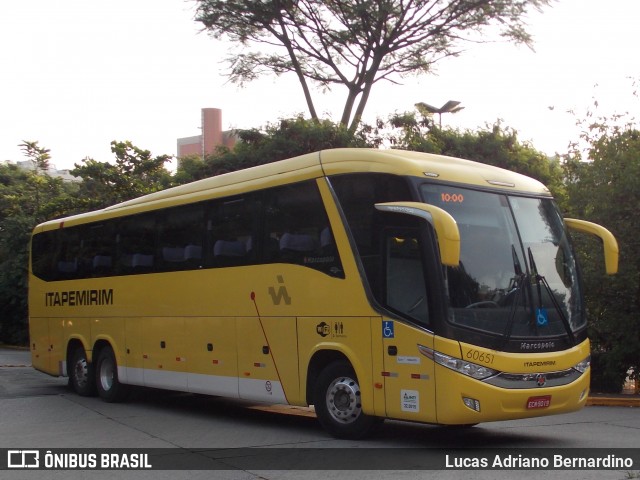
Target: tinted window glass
[(43, 246), (285, 224), (231, 229), (98, 248), (181, 238), (298, 230), (68, 262), (136, 241)]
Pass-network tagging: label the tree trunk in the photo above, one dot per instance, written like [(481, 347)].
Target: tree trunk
[(348, 105)]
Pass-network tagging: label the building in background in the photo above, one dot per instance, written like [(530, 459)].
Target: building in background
[(52, 171), (212, 136)]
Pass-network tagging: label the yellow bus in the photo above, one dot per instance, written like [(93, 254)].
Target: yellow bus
[(368, 283)]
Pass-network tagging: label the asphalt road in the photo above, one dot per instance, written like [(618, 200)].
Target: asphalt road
[(39, 412)]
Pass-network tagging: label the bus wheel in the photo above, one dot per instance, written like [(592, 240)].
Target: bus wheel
[(109, 387), (337, 402), (81, 375)]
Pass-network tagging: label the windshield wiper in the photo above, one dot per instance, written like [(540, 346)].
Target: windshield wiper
[(517, 287), (542, 281)]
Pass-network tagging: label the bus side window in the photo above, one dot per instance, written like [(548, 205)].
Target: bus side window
[(181, 238), (137, 244), (231, 229), (44, 255), (98, 249), (297, 229), (68, 261)]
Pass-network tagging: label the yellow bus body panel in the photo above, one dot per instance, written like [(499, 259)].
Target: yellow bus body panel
[(39, 339)]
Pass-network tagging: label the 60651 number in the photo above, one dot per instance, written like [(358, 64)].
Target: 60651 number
[(480, 357)]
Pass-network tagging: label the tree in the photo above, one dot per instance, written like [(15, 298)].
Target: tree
[(134, 173), (606, 189), (39, 156), (495, 145), (355, 43), (27, 197), (37, 178), (285, 139)]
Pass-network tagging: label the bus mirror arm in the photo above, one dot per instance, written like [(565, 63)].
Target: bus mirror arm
[(609, 243), (443, 223)]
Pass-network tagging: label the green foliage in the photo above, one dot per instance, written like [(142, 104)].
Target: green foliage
[(606, 190), (292, 137), (134, 173), (496, 145), (286, 139), (39, 156), (14, 239), (27, 197), (190, 168)]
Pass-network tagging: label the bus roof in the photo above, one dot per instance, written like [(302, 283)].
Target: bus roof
[(332, 162)]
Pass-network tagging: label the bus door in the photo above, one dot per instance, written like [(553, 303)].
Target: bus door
[(409, 375), (267, 358), (409, 380)]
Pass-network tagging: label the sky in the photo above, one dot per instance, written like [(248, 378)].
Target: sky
[(77, 74)]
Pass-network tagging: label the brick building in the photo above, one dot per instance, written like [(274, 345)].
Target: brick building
[(212, 135)]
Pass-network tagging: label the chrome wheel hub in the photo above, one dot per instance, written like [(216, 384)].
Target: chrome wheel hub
[(106, 375), (343, 400), (81, 372)]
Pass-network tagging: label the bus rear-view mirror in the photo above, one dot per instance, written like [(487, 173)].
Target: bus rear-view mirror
[(609, 243), (445, 226)]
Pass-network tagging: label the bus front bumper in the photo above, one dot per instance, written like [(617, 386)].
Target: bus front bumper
[(463, 400)]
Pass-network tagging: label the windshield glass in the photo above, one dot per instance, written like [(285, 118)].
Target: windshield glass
[(517, 274)]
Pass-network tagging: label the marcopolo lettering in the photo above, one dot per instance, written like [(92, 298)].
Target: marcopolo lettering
[(537, 345), (78, 298)]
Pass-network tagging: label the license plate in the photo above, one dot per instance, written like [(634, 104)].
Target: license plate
[(538, 402)]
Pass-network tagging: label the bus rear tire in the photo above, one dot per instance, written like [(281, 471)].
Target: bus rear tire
[(109, 387), (338, 404), (81, 374)]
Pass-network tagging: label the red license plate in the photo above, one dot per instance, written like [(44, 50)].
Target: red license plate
[(538, 402)]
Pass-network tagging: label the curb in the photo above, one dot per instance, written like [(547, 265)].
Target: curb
[(632, 401)]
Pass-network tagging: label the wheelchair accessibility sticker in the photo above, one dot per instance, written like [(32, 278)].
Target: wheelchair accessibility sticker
[(387, 329)]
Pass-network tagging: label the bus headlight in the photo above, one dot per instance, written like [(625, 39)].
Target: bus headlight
[(583, 365), (473, 370)]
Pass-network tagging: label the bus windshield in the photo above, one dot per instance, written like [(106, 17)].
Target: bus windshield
[(517, 275)]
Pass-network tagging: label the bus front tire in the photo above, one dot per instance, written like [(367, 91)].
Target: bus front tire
[(109, 387), (338, 404), (81, 374)]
